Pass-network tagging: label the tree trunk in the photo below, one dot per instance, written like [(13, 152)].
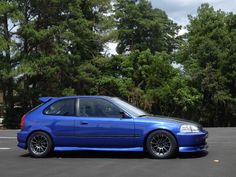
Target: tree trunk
[(8, 83)]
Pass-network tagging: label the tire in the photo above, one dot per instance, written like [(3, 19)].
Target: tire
[(161, 144), (39, 144)]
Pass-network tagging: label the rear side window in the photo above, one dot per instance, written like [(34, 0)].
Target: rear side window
[(64, 107)]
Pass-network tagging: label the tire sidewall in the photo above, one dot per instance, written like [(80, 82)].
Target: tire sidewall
[(49, 148), (172, 151)]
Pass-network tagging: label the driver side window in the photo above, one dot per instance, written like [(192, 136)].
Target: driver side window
[(95, 107)]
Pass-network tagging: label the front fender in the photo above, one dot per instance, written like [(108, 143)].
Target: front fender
[(142, 132), (171, 127)]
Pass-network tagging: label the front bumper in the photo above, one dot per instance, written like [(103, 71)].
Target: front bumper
[(192, 142), (194, 148)]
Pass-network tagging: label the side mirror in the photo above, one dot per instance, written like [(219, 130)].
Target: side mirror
[(124, 115)]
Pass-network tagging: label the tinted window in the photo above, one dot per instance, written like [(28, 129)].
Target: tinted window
[(63, 107), (91, 107)]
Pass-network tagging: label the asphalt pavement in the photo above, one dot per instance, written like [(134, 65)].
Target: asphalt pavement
[(220, 161)]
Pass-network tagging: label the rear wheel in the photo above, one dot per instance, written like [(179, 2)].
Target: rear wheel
[(161, 144), (39, 144)]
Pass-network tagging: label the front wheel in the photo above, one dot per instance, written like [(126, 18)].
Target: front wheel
[(39, 144), (161, 144)]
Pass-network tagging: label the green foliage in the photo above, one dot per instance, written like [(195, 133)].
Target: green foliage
[(54, 48), (68, 92), (149, 81), (209, 59), (141, 27), (48, 49), (9, 19)]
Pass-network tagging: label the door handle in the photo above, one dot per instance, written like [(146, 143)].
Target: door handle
[(83, 123)]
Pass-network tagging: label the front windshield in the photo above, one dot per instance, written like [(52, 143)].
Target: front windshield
[(132, 110)]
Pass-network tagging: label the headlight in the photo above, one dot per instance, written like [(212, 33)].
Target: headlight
[(189, 129)]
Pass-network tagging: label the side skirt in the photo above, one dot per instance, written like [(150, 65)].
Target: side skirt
[(135, 149)]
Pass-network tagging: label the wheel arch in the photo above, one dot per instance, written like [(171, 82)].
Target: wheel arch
[(39, 130), (158, 129)]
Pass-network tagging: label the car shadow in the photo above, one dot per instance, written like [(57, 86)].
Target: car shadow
[(95, 154), (191, 155), (115, 155)]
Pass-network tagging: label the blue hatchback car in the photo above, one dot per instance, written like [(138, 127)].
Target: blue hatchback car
[(106, 124)]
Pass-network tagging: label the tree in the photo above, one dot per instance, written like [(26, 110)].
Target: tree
[(9, 20), (208, 58), (54, 48), (149, 81), (140, 27), (44, 44), (59, 37)]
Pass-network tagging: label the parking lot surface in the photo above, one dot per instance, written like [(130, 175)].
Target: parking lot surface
[(220, 161)]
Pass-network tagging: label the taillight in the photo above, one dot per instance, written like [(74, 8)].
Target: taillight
[(22, 123)]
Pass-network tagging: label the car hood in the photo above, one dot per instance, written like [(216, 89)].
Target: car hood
[(172, 119)]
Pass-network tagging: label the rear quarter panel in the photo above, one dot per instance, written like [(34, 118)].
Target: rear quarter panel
[(37, 121)]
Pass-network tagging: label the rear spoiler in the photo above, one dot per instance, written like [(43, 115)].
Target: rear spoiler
[(45, 99)]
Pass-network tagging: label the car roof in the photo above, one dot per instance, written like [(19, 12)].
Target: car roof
[(45, 99), (85, 96)]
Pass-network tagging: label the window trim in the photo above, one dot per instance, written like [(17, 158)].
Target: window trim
[(74, 114)]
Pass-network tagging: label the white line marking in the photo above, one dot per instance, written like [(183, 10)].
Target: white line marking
[(5, 148), (3, 137)]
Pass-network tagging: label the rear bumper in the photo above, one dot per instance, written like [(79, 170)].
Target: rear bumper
[(21, 138), (192, 142)]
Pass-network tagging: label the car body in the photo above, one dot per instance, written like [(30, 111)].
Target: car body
[(104, 123)]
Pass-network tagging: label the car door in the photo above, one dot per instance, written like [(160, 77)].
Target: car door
[(61, 116), (101, 124)]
